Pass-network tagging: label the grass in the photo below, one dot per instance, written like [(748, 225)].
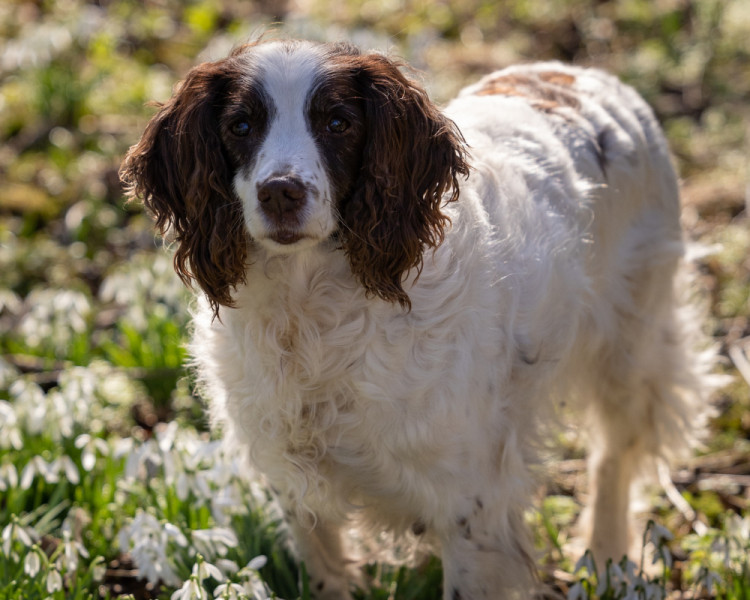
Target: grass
[(110, 484)]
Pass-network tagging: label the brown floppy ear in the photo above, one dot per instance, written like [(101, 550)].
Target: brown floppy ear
[(412, 159), (181, 171)]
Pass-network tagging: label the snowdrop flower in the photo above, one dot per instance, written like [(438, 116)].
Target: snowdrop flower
[(122, 446), (577, 592), (253, 584), (37, 465), (142, 460), (191, 590), (32, 563), (197, 483), (709, 579), (10, 431), (586, 562), (15, 532), (604, 583), (203, 570), (226, 501), (148, 542), (8, 373), (65, 465), (30, 406), (227, 566), (60, 415), (739, 527), (657, 534), (175, 533), (50, 472), (230, 591), (72, 549), (98, 569), (8, 477), (256, 588), (166, 434), (654, 591), (54, 318), (54, 581), (213, 542), (257, 563), (90, 446)]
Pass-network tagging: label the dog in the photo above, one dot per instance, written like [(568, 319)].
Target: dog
[(394, 298)]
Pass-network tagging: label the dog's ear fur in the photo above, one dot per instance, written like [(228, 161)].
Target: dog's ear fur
[(412, 160), (181, 171)]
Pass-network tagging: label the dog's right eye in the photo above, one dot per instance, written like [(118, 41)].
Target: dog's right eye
[(240, 128)]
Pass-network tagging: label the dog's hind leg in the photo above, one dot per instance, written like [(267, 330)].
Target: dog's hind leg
[(650, 396)]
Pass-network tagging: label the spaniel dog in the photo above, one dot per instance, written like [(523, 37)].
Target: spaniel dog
[(395, 297)]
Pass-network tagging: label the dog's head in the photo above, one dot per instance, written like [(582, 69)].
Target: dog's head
[(286, 145)]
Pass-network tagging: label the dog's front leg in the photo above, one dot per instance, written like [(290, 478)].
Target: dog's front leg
[(320, 547), (483, 561)]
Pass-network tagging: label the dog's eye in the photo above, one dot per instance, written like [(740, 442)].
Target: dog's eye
[(337, 125), (240, 128)]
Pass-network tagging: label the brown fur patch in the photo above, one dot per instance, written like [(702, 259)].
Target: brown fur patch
[(546, 91)]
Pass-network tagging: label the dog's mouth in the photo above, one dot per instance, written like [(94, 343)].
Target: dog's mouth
[(286, 237)]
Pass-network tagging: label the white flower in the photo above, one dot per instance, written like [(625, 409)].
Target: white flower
[(142, 460), (32, 563), (54, 317), (50, 472), (191, 590), (15, 532), (709, 579), (54, 581), (8, 477), (37, 466), (253, 584), (122, 446), (227, 566), (586, 562), (655, 591), (229, 591), (657, 534), (166, 434), (255, 588), (196, 483), (90, 446), (257, 563), (72, 549), (64, 464), (148, 543), (98, 568), (216, 541), (577, 592), (203, 570), (175, 533), (30, 405), (10, 431)]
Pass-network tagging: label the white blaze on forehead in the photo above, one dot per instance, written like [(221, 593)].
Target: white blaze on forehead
[(288, 73)]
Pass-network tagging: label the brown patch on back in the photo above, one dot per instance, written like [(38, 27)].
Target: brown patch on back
[(557, 78), (547, 91)]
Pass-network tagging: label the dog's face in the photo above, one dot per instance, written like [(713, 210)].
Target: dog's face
[(283, 146), (295, 130)]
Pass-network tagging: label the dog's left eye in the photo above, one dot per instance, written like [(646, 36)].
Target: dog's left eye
[(337, 125), (240, 128)]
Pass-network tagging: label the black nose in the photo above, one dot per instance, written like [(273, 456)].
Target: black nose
[(281, 196)]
